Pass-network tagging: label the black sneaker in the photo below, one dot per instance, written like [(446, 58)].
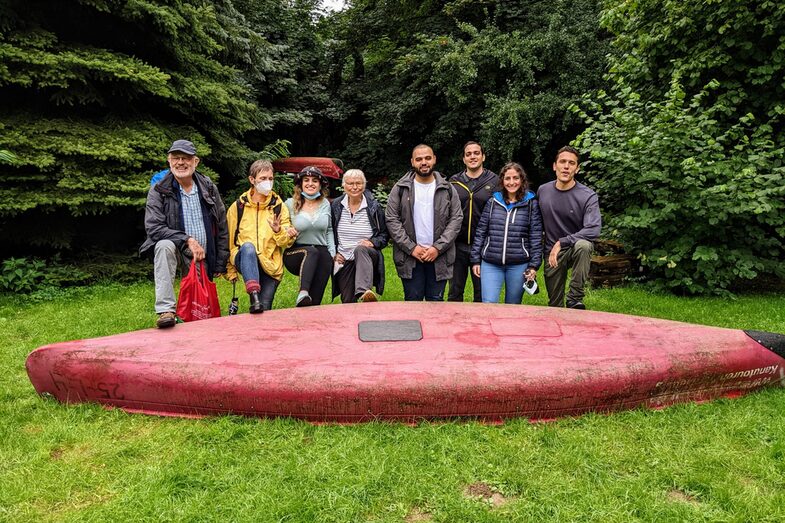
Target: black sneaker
[(255, 306), (576, 305)]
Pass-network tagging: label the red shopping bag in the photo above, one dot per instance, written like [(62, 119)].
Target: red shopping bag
[(198, 298)]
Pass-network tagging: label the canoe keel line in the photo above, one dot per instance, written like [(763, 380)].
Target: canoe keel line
[(410, 361)]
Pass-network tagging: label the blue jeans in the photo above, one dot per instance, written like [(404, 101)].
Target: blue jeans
[(423, 284), (493, 276), (247, 263)]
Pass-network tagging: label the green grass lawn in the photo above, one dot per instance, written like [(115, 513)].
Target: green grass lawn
[(721, 461)]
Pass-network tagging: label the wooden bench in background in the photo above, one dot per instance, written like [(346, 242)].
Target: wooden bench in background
[(610, 265)]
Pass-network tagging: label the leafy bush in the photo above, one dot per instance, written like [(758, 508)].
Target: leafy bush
[(702, 202), (686, 148), (284, 185), (112, 268), (381, 192), (20, 275), (37, 277)]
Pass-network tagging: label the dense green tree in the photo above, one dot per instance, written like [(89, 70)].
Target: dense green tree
[(443, 72), (93, 91), (286, 74), (687, 147)]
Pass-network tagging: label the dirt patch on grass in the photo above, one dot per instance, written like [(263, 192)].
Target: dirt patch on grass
[(681, 496), (484, 492), (82, 454), (33, 429), (416, 515)]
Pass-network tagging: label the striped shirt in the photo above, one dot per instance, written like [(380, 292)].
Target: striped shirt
[(192, 215), (352, 228)]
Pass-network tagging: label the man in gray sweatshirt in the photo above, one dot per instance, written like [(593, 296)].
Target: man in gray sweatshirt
[(571, 219)]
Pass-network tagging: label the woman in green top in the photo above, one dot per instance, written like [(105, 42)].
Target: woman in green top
[(311, 256)]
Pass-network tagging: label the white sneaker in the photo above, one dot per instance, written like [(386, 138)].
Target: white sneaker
[(303, 299)]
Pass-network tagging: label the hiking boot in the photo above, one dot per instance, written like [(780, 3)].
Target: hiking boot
[(576, 305), (303, 299), (166, 320), (256, 303), (368, 296)]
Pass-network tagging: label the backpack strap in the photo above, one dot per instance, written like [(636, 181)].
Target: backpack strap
[(276, 203), (240, 209)]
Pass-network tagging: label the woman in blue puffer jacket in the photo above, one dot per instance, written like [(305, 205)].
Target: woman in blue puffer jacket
[(507, 246)]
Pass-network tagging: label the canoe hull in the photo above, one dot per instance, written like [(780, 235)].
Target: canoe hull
[(482, 361)]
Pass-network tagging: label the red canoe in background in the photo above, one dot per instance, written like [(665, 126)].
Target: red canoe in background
[(330, 167), (410, 361)]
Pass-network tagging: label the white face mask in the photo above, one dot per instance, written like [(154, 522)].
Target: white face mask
[(264, 187)]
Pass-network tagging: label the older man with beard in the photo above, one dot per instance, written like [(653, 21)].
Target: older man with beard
[(423, 218), (185, 219)]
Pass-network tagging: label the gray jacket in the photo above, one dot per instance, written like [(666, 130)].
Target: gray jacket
[(446, 225), (163, 220)]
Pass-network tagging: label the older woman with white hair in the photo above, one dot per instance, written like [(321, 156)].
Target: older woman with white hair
[(360, 234)]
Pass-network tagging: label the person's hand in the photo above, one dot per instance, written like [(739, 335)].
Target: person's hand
[(292, 232), (431, 253), (196, 249), (553, 257), (275, 223), (339, 258), (418, 252), (530, 274), (366, 243), (476, 270)]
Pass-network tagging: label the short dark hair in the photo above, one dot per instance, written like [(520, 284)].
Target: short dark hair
[(472, 142), (524, 181), (568, 149), (421, 146)]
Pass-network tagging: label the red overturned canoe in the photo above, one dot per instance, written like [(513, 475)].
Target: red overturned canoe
[(410, 361)]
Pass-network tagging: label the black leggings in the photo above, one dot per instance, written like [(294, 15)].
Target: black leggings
[(313, 264)]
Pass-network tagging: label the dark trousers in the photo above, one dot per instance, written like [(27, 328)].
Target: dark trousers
[(460, 271), (423, 284), (356, 276), (312, 263), (577, 257)]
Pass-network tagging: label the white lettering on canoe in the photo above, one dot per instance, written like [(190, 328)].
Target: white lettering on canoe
[(770, 369), (702, 381)]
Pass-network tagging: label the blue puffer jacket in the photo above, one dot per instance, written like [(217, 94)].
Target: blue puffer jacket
[(509, 234)]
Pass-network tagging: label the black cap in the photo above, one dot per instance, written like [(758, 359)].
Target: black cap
[(310, 170), (183, 146)]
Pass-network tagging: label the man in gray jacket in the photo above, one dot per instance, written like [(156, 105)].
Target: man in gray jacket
[(423, 218), (185, 219), (571, 219)]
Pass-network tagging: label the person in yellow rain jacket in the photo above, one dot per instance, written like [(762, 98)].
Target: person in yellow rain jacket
[(259, 231)]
